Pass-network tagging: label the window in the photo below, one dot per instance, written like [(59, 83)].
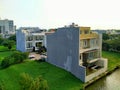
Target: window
[(38, 44), (29, 38), (39, 37), (86, 32), (80, 31), (29, 45), (85, 43), (96, 41)]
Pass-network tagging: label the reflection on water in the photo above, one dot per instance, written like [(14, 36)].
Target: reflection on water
[(110, 82)]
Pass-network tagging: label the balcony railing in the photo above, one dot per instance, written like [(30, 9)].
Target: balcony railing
[(88, 36)]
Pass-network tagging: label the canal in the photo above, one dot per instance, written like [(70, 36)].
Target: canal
[(109, 82)]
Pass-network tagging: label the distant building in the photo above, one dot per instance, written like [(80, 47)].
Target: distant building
[(77, 50), (29, 39), (100, 31), (7, 28), (108, 31)]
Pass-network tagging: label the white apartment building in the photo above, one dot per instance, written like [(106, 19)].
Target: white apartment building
[(7, 28), (29, 39)]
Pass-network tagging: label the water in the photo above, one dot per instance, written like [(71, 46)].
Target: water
[(110, 82)]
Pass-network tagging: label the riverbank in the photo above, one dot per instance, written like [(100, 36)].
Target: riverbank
[(113, 64)]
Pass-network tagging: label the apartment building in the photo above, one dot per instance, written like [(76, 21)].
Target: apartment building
[(7, 28), (77, 50), (29, 39)]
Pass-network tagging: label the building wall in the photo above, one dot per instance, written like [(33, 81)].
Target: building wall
[(63, 50), (20, 41)]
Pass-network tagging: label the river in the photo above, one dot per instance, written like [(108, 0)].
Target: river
[(109, 82)]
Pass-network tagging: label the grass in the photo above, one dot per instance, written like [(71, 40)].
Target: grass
[(113, 59), (4, 51), (2, 48), (58, 79)]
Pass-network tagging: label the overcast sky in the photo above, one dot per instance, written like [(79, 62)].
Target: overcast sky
[(98, 14)]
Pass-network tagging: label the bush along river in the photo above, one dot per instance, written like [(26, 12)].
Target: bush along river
[(109, 82)]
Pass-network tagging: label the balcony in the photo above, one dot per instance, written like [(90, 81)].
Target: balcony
[(88, 36), (88, 49), (93, 60)]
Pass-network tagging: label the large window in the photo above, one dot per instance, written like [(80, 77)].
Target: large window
[(29, 45), (93, 55), (29, 38), (86, 32), (94, 42), (38, 44), (39, 37), (86, 43)]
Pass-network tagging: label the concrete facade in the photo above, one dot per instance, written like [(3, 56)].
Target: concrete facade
[(64, 49), (27, 40), (7, 28)]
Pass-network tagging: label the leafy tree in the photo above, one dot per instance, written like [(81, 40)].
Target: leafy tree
[(13, 37), (105, 36), (112, 44), (8, 43), (1, 40)]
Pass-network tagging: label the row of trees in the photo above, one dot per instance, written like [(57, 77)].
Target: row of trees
[(8, 42), (111, 42)]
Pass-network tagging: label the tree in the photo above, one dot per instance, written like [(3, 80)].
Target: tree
[(13, 37), (1, 40), (8, 43), (105, 36)]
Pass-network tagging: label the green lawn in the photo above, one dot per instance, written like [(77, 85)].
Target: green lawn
[(58, 79), (4, 51), (4, 54), (113, 59), (2, 48)]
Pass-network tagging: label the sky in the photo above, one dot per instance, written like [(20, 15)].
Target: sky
[(97, 14)]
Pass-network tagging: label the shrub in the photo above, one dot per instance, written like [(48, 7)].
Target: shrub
[(16, 57), (8, 43), (19, 56), (25, 55), (5, 62), (25, 81), (28, 83), (2, 87)]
